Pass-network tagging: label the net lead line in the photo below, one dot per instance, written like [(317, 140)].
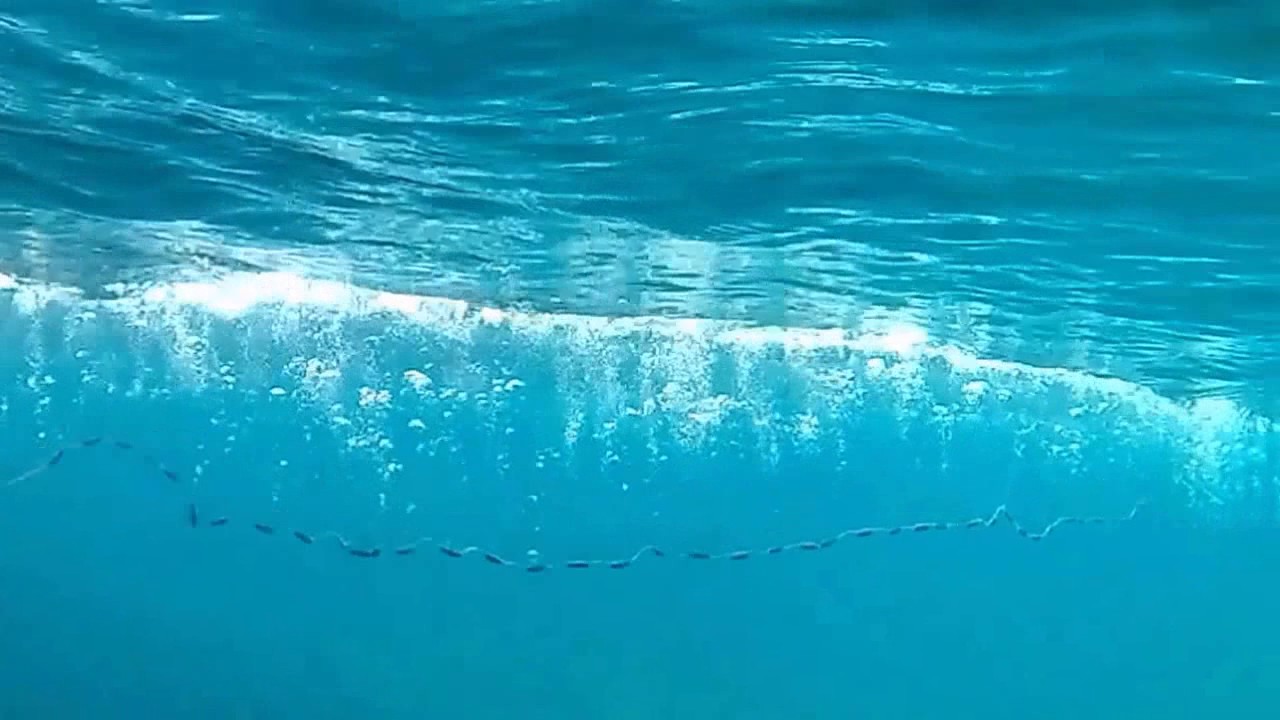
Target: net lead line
[(196, 520)]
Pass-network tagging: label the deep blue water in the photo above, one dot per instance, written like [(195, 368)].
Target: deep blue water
[(561, 280)]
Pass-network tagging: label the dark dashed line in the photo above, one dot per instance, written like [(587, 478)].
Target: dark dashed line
[(1001, 514)]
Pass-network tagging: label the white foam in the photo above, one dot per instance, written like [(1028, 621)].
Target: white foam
[(240, 294), (888, 354), (896, 337), (237, 295)]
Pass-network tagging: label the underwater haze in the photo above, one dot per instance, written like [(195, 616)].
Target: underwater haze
[(755, 360)]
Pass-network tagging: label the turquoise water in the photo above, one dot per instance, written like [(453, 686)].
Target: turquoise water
[(532, 289)]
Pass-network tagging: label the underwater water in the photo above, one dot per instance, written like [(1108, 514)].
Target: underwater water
[(771, 359)]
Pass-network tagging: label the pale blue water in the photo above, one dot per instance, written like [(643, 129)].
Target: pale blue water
[(564, 280)]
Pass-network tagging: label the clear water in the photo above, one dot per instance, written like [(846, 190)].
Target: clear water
[(561, 280)]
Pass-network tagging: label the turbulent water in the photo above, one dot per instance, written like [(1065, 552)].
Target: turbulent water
[(566, 281), (1074, 185)]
